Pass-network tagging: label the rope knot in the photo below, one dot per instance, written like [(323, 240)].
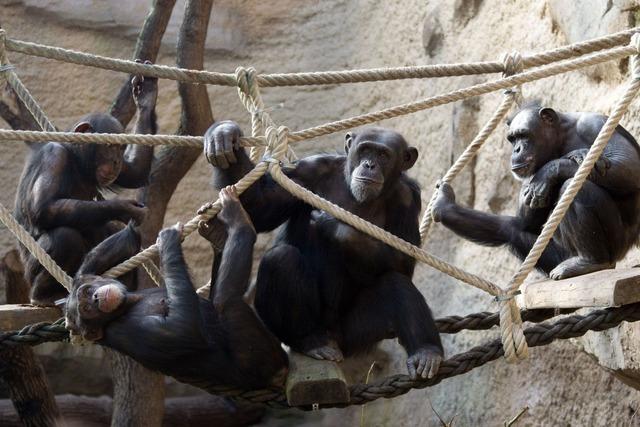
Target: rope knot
[(277, 142), (512, 63), (635, 60)]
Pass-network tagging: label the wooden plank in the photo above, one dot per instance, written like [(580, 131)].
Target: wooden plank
[(17, 316), (312, 381), (605, 288)]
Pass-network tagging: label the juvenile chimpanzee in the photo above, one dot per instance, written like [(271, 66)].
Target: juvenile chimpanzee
[(59, 198), (204, 342), (325, 288), (603, 221)]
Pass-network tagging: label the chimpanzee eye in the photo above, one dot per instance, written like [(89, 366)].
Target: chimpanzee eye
[(87, 307)]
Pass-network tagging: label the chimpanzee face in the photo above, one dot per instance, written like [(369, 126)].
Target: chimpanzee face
[(109, 159), (375, 159), (93, 302), (533, 134)]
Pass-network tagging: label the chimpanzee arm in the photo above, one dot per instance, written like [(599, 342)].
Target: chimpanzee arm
[(267, 204), (51, 208), (234, 268), (111, 251), (183, 300), (138, 158)]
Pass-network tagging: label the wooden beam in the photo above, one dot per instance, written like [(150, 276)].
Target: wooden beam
[(605, 288), (312, 381), (17, 316)]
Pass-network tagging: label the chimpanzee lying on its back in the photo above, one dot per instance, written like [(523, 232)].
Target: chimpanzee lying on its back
[(206, 343)]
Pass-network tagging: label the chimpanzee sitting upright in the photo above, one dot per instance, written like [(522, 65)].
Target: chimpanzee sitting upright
[(59, 198), (206, 343), (603, 221), (326, 288)]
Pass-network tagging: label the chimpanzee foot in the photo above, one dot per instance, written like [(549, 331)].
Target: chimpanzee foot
[(329, 351), (424, 363), (233, 214), (577, 266)]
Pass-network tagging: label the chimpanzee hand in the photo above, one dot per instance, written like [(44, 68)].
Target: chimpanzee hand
[(537, 193), (446, 197), (169, 236), (132, 211), (602, 164), (233, 214), (145, 90), (424, 363), (220, 142), (319, 217)]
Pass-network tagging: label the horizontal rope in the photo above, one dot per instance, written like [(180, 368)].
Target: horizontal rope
[(315, 78)]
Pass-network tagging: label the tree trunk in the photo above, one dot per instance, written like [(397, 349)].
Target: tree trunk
[(138, 392), (26, 380)]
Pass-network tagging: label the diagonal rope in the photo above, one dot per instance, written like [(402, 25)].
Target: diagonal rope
[(20, 89)]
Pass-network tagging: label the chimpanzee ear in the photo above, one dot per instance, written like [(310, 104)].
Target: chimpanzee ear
[(91, 333), (410, 157), (548, 115), (83, 127), (348, 140)]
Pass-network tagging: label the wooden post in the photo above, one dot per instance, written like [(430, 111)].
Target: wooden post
[(605, 288), (312, 382), (27, 382)]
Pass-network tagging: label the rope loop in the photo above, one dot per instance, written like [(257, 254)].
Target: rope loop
[(512, 63), (635, 59)]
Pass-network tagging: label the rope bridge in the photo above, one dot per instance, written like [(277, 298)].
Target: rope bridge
[(271, 146)]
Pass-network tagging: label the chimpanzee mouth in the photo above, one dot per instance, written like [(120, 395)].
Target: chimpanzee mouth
[(367, 180), (519, 166)]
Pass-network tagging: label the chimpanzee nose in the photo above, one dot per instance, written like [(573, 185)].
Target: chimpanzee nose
[(369, 165)]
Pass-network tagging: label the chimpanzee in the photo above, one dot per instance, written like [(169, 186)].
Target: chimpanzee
[(60, 195), (603, 221), (325, 288), (203, 342)]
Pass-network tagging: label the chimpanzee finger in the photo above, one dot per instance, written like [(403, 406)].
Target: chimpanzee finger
[(218, 144), (412, 369), (434, 366), (229, 148), (422, 367)]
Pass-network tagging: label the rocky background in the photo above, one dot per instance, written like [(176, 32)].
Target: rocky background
[(568, 383)]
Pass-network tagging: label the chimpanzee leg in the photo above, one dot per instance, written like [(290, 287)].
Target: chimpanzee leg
[(592, 230), (289, 302), (391, 308), (67, 247)]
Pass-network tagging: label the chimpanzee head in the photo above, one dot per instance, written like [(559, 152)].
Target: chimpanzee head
[(102, 162), (93, 302), (534, 133), (376, 158)]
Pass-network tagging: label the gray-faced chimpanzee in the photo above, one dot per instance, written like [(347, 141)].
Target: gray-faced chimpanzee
[(325, 288), (602, 223), (59, 199), (203, 342)]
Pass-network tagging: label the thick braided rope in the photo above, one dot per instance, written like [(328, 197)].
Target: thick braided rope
[(538, 335), (32, 246), (368, 228), (515, 344), (154, 272), (512, 65), (191, 226), (20, 89), (461, 94), (328, 77), (42, 332)]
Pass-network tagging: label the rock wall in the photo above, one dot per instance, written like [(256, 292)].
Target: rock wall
[(567, 383)]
